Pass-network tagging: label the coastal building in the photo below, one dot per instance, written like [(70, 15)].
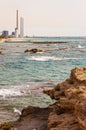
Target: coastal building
[(12, 35), (21, 27), (5, 34)]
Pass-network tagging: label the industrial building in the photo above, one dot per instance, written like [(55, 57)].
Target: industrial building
[(17, 34), (5, 34), (21, 27)]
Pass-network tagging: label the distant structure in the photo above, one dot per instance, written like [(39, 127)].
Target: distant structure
[(21, 27), (5, 34), (17, 26), (13, 34), (21, 35)]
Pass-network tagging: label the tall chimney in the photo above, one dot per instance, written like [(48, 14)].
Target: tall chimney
[(17, 19), (16, 29)]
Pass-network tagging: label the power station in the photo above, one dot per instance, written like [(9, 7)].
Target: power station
[(16, 29), (21, 27), (17, 34)]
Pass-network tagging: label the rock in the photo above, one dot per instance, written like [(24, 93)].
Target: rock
[(28, 110), (1, 53), (5, 126), (78, 75), (33, 50), (71, 95), (33, 118), (65, 121), (27, 51), (67, 113)]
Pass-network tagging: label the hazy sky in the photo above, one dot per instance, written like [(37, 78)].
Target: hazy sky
[(45, 17)]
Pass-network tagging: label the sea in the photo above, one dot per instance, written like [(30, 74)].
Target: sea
[(22, 74)]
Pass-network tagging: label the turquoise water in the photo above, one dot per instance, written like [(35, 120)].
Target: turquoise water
[(24, 76), (53, 65)]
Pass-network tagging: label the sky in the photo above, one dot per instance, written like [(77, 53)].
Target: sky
[(45, 17)]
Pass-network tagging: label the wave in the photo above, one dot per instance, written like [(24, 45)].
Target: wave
[(79, 46), (14, 91), (51, 58), (9, 93)]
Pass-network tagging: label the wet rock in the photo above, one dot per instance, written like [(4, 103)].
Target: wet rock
[(33, 118), (1, 53), (33, 50)]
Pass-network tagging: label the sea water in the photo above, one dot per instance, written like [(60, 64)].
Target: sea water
[(23, 76), (26, 70)]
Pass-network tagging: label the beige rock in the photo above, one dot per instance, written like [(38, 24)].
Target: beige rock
[(71, 95), (69, 110)]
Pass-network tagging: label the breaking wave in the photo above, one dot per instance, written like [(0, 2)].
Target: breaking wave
[(79, 46), (51, 58)]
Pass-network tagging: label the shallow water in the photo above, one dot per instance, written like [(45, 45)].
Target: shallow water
[(22, 72), (54, 64)]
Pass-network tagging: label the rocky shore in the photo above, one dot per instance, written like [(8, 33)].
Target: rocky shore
[(67, 113)]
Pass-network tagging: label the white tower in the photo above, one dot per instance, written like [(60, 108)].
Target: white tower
[(21, 27), (16, 29)]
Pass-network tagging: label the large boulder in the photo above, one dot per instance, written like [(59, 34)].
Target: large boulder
[(70, 96)]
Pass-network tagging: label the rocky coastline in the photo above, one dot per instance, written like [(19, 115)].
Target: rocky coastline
[(67, 113)]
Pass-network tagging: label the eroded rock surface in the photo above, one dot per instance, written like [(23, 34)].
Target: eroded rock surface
[(67, 113), (71, 102), (33, 118)]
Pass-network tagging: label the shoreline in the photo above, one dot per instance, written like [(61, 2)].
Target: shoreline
[(2, 40), (26, 40), (45, 39)]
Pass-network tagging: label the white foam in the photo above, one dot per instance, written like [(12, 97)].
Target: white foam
[(48, 58), (9, 92), (14, 91), (43, 58), (79, 46)]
